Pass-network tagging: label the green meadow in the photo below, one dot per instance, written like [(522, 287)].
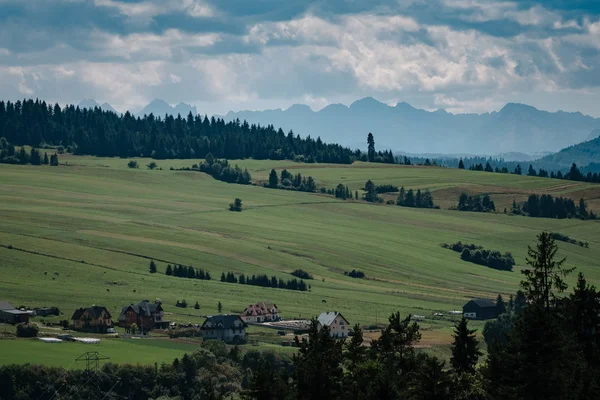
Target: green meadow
[(84, 233)]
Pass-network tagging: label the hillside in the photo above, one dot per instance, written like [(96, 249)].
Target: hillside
[(515, 128), (83, 234), (582, 154)]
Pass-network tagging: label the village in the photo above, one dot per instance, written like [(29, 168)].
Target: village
[(142, 318)]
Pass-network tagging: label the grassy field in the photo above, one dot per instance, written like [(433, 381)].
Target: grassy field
[(131, 351), (84, 233)]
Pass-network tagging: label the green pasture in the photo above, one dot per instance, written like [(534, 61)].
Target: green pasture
[(84, 233), (122, 351)]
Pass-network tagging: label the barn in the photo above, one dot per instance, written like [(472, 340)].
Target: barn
[(480, 309), (10, 315)]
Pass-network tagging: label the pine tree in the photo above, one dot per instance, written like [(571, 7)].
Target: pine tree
[(461, 164), (370, 192), (464, 348), (46, 161), (220, 308), (197, 306), (371, 148), (546, 274), (152, 267), (169, 270), (500, 306), (273, 179)]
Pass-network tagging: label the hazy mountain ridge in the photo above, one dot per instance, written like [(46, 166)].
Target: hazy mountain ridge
[(515, 128), (91, 104), (583, 154), (160, 108)]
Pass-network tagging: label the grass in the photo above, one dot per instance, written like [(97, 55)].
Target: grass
[(122, 351), (85, 233)]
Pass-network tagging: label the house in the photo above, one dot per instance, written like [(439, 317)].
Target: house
[(260, 312), (144, 314), (10, 315), (480, 309), (338, 325), (228, 328), (91, 319)]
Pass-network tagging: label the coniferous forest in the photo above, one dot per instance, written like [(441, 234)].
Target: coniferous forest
[(106, 134)]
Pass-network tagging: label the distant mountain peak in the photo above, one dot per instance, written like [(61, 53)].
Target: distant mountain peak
[(160, 108), (299, 107), (594, 134), (367, 103), (90, 104)]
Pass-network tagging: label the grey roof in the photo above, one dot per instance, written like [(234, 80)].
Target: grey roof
[(226, 321), (327, 318), (142, 308), (485, 303), (15, 312), (5, 305)]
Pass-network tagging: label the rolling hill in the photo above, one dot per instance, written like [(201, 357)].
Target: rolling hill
[(83, 233), (582, 154), (515, 128)]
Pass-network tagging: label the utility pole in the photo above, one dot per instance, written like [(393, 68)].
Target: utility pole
[(92, 360)]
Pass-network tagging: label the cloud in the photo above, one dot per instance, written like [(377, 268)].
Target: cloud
[(464, 55)]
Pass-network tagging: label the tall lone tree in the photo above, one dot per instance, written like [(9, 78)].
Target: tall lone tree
[(461, 164), (464, 348), (547, 273), (220, 307), (371, 147)]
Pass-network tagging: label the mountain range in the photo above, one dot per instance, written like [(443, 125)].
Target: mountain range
[(403, 128), (583, 154), (515, 129), (91, 104)]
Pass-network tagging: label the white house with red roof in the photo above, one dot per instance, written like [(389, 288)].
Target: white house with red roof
[(260, 312)]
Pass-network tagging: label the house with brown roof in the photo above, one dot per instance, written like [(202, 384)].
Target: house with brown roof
[(260, 312), (10, 315), (91, 319), (144, 314)]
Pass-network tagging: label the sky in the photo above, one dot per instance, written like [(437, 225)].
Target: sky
[(221, 55)]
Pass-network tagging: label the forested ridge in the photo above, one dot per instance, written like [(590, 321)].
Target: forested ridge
[(106, 134)]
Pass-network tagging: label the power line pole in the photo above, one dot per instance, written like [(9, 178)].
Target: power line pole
[(92, 360)]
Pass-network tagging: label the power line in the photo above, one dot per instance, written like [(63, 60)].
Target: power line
[(60, 376)]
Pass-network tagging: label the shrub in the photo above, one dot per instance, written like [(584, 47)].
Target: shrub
[(152, 165), (300, 273), (478, 255), (387, 188), (27, 330), (133, 164), (236, 205), (355, 274)]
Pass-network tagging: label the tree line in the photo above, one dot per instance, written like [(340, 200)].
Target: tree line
[(476, 203), (408, 198), (289, 181), (9, 155), (574, 173), (264, 281), (479, 255), (181, 271), (106, 134), (547, 206)]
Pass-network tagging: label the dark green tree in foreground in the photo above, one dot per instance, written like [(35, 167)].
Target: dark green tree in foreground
[(319, 365), (546, 275), (500, 305), (465, 352), (220, 308), (152, 267)]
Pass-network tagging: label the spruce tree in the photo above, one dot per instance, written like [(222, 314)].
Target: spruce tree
[(461, 164), (152, 267), (46, 161), (273, 179), (169, 270), (464, 348), (371, 147), (220, 308), (500, 306)]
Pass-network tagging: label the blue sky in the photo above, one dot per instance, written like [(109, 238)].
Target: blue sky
[(461, 55)]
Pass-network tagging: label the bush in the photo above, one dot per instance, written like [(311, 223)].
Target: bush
[(386, 188), (299, 273), (236, 205), (478, 255), (27, 330), (566, 239), (133, 164), (152, 165), (355, 274)]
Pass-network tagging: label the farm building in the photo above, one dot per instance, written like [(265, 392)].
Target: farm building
[(228, 328), (480, 309), (260, 312), (91, 319), (10, 315), (144, 314), (338, 325)]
